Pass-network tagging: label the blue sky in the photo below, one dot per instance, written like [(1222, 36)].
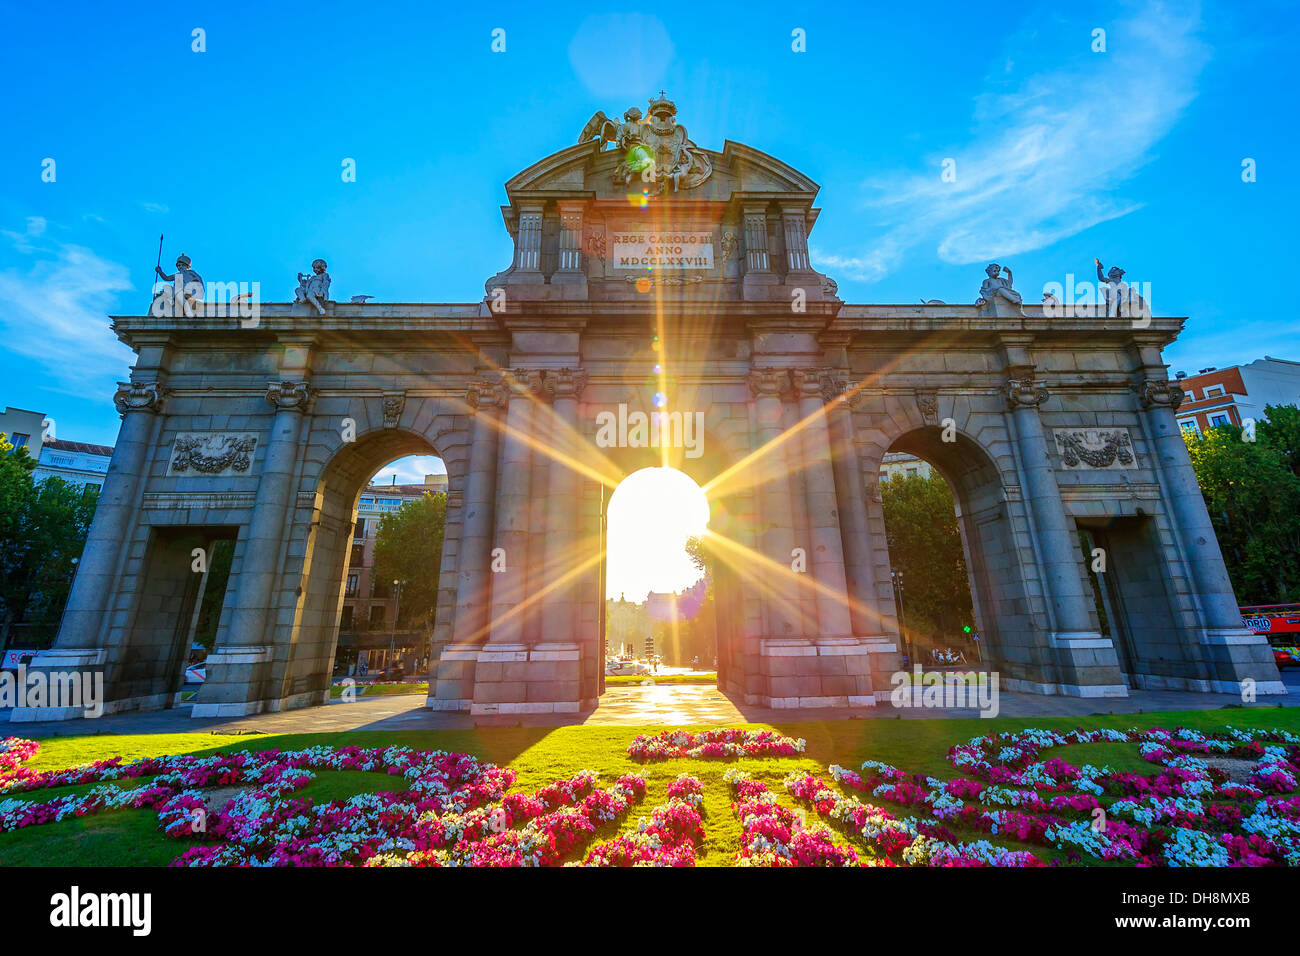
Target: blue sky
[(1062, 154)]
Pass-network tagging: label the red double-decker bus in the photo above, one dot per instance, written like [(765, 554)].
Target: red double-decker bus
[(1280, 623)]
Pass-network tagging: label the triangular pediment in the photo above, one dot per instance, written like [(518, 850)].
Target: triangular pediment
[(586, 171)]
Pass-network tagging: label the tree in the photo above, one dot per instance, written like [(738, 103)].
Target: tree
[(42, 532), (1281, 431), (408, 547), (1253, 497), (925, 546)]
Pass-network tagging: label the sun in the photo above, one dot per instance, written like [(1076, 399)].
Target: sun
[(651, 515)]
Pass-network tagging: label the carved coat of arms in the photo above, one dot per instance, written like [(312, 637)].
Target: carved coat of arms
[(211, 454), (1094, 448)]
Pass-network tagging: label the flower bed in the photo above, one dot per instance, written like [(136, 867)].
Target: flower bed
[(668, 838), (450, 809), (774, 835), (714, 745)]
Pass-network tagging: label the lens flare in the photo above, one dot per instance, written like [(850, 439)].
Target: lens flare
[(659, 399)]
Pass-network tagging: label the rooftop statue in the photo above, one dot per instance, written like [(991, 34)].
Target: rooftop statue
[(314, 289), (1119, 297), (996, 293), (184, 296), (655, 149)]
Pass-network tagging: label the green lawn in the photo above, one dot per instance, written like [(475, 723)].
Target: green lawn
[(541, 755)]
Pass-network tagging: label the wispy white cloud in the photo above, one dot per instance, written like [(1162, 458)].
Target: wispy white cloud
[(56, 310), (155, 207), (410, 471), (1045, 157)]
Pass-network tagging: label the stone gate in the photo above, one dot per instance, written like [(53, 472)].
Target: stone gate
[(653, 277)]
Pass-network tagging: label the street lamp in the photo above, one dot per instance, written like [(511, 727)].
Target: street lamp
[(897, 577), (397, 608)]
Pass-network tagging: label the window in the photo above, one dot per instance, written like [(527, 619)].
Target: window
[(360, 530), (1214, 392), (911, 471), (1190, 395), (376, 615), (1217, 420), (19, 440), (354, 579), (345, 619), (1189, 428)]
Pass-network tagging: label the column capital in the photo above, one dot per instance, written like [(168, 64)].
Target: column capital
[(484, 393), (139, 397), (289, 396), (813, 382), (566, 382), (523, 382), (1024, 393), (1153, 393), (769, 382)]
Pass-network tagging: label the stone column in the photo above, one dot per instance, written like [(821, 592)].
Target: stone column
[(570, 260), (758, 265), (559, 610), (823, 511), (252, 611), (852, 506), (473, 566), (91, 599), (528, 242), (512, 510), (238, 668), (1235, 652), (777, 538), (1056, 540), (453, 684), (796, 238), (756, 259), (1087, 665)]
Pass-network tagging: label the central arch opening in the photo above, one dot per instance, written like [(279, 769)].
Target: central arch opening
[(659, 608)]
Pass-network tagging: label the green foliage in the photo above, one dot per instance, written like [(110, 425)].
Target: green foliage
[(408, 547), (925, 546), (1253, 495), (1281, 432), (42, 532)]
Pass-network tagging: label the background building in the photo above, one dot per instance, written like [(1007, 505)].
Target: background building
[(899, 463), (78, 463), (24, 428), (369, 605), (1229, 396)]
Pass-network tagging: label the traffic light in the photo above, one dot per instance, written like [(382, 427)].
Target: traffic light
[(965, 629)]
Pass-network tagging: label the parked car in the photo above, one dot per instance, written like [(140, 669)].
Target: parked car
[(196, 673), (1286, 655), (621, 668)]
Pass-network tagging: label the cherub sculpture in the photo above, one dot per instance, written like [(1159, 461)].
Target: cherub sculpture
[(314, 289), (996, 291)]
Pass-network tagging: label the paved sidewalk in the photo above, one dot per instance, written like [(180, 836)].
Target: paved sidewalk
[(660, 705)]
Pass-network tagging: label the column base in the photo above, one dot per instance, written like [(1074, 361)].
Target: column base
[(800, 674), (528, 679), (1234, 656), (1087, 666)]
